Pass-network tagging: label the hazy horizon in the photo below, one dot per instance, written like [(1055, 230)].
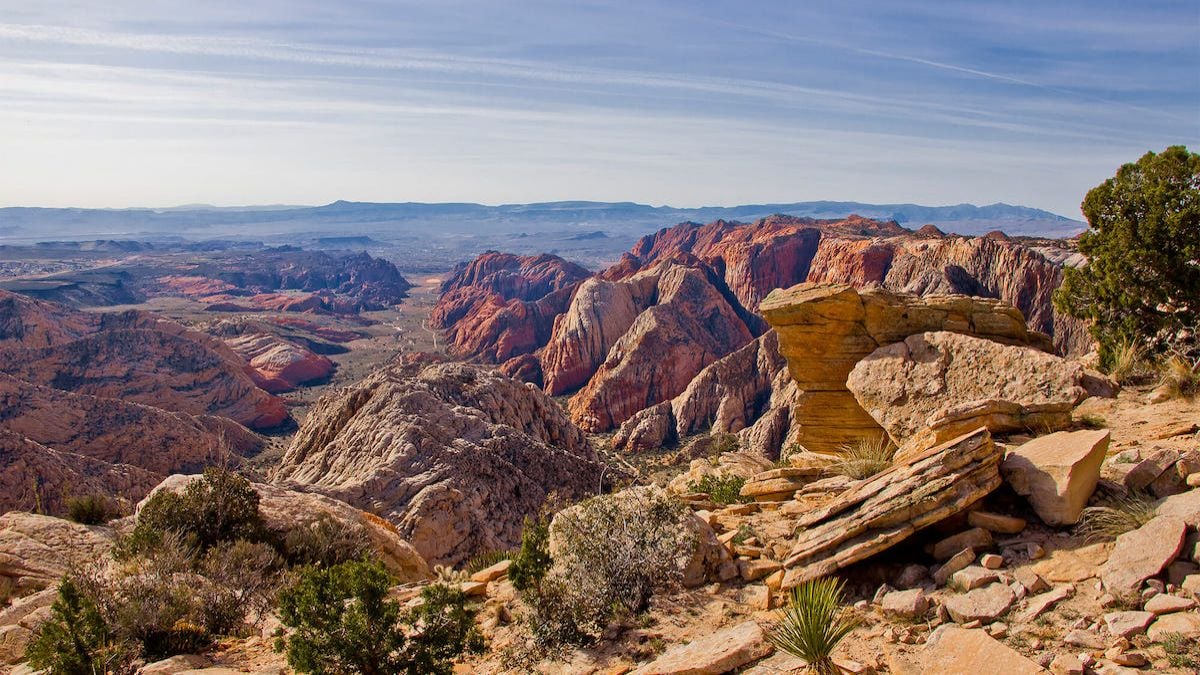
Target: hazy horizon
[(682, 104)]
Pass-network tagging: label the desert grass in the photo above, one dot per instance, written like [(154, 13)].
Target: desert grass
[(864, 458), (1103, 523), (814, 623)]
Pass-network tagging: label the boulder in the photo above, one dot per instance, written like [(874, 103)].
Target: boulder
[(938, 385), (826, 329), (887, 508), (1185, 506), (720, 652), (35, 550), (1143, 553), (910, 604), (1057, 473), (951, 650)]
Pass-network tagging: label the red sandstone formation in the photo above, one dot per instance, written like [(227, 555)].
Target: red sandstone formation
[(623, 345)]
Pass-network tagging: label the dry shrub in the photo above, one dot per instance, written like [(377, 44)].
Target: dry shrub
[(865, 457)]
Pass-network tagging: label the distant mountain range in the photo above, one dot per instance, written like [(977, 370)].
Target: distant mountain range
[(622, 219)]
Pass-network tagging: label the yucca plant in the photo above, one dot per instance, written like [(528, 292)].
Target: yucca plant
[(1102, 523), (814, 623), (865, 457)]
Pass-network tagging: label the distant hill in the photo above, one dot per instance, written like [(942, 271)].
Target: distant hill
[(347, 219)]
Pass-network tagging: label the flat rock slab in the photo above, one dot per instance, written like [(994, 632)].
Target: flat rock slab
[(1071, 565), (954, 651), (1127, 624), (1042, 602), (717, 653), (887, 508), (1143, 553), (1169, 604), (909, 604), (1184, 623), (982, 604), (1185, 506), (1057, 473), (996, 522)]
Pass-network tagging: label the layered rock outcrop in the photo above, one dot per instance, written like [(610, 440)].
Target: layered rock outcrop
[(280, 365), (455, 455), (825, 330)]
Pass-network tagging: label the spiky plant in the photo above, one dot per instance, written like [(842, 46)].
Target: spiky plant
[(1102, 523), (865, 457), (814, 623), (448, 575), (486, 559)]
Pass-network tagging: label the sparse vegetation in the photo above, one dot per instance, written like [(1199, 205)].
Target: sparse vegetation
[(1182, 651), (1180, 378), (532, 561), (486, 559), (743, 533), (91, 509), (1092, 421), (1127, 361), (614, 552), (814, 623), (720, 489), (325, 542), (1101, 523), (865, 457), (343, 622)]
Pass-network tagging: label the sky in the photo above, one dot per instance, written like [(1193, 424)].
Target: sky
[(690, 103)]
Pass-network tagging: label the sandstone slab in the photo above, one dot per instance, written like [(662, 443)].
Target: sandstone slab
[(982, 604), (955, 651), (1143, 553), (720, 652), (1057, 473), (889, 507)]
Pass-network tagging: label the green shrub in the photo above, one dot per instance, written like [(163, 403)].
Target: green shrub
[(91, 509), (532, 561), (76, 638), (325, 542), (720, 489), (612, 553), (344, 622), (220, 506), (244, 577), (814, 623)]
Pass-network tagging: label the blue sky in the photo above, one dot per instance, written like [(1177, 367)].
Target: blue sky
[(685, 103)]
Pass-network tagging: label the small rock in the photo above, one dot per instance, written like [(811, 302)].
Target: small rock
[(991, 561), (909, 604), (1168, 604), (998, 630), (982, 604), (973, 576), (1127, 624), (976, 538), (1032, 582), (1151, 467), (1130, 659), (959, 561), (753, 570), (912, 575), (1039, 604), (1066, 664), (1084, 638), (995, 522)]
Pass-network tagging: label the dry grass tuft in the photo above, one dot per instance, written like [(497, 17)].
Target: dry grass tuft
[(864, 458), (1102, 523)]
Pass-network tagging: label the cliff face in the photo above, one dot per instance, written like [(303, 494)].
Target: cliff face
[(500, 306), (455, 455), (624, 345)]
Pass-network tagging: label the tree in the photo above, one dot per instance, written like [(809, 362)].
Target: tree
[(344, 622), (1142, 279), (75, 639)]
